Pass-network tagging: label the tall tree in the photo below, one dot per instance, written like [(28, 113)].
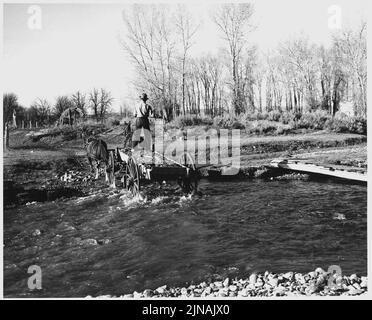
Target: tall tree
[(79, 100), (186, 28), (351, 48), (233, 20), (94, 102), (105, 102), (10, 104), (62, 103)]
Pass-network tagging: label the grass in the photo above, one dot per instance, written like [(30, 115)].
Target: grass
[(277, 123)]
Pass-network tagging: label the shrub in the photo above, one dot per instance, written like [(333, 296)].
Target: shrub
[(115, 122), (238, 125), (274, 115), (288, 117), (313, 120), (187, 121), (259, 127), (342, 123), (223, 122)]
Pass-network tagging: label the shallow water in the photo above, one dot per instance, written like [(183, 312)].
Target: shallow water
[(235, 228)]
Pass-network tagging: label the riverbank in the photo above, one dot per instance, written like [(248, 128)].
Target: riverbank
[(34, 169), (314, 283)]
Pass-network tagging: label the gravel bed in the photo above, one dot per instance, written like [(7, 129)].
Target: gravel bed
[(314, 283)]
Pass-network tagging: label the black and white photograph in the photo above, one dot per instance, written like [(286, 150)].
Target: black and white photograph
[(202, 150)]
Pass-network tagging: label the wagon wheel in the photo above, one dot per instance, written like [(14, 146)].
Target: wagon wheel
[(131, 177), (111, 167), (188, 183)]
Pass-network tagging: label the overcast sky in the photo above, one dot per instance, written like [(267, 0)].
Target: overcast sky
[(77, 47)]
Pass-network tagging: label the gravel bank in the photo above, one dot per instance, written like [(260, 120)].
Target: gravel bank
[(315, 283)]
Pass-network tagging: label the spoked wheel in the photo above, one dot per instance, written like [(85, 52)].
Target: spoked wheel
[(131, 177), (111, 168), (189, 182)]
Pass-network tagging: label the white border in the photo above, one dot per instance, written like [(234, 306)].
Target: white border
[(367, 296)]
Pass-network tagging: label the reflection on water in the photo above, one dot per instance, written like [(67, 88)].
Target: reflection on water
[(111, 243)]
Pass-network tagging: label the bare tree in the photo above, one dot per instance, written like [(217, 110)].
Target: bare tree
[(105, 102), (351, 49), (234, 22), (186, 28), (94, 102), (301, 58), (41, 110), (62, 103), (10, 104), (100, 102), (79, 100)]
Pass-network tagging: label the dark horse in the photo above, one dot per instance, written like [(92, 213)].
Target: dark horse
[(98, 155)]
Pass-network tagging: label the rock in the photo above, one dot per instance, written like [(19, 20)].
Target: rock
[(319, 271), (300, 278), (233, 288), (161, 289), (321, 280), (311, 289), (364, 282), (253, 279), (243, 293), (208, 290), (279, 291), (273, 282), (281, 279), (198, 291), (356, 286), (137, 295), (148, 293), (104, 241), (184, 291), (89, 242), (312, 274), (36, 233), (259, 283), (353, 291), (218, 284), (288, 275), (226, 282), (130, 295), (354, 278)]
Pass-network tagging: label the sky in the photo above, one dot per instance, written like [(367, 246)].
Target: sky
[(78, 47)]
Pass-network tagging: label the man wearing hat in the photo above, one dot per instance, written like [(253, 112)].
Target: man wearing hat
[(142, 112)]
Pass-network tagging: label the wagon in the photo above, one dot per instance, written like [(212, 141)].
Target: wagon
[(136, 168)]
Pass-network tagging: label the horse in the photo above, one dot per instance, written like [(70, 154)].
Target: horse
[(98, 154)]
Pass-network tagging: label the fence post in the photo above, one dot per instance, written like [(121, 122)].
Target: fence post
[(6, 138)]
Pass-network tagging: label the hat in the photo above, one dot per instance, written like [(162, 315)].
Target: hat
[(143, 96)]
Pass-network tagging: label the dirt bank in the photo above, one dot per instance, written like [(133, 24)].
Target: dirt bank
[(34, 168)]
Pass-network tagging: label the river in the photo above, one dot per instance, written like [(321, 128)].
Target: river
[(110, 243)]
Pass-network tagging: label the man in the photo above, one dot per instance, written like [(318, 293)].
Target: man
[(142, 112)]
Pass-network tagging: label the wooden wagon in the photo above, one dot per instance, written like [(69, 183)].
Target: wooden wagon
[(134, 168)]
